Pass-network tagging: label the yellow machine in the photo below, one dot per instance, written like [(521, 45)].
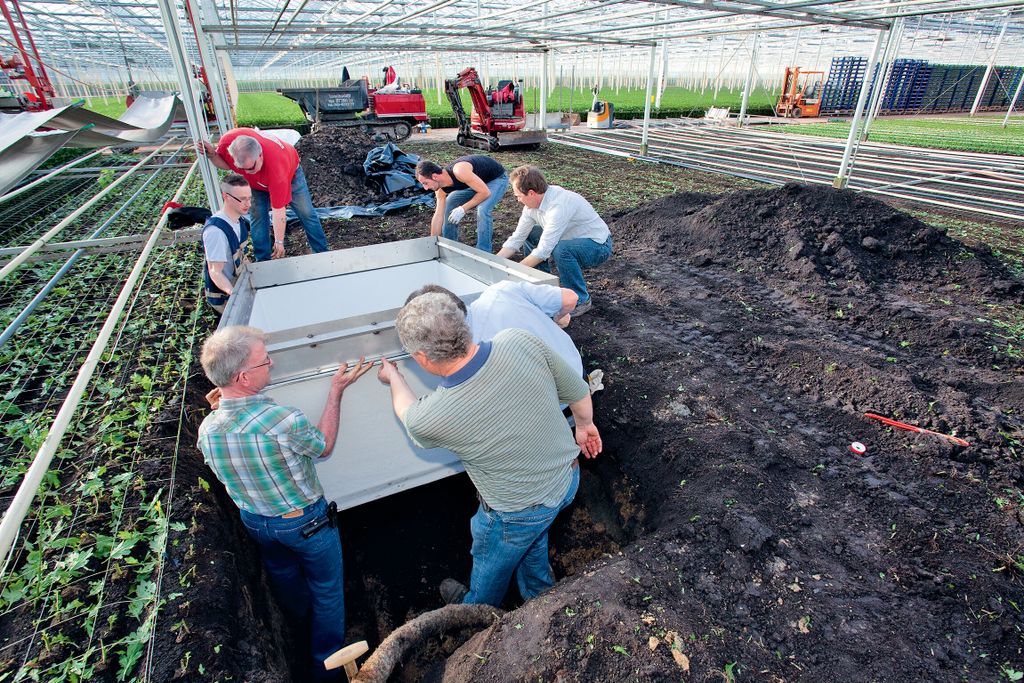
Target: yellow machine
[(601, 114)]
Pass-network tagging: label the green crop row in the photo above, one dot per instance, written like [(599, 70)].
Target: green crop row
[(273, 110), (85, 576), (978, 134)]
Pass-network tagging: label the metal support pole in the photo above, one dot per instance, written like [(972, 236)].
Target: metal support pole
[(647, 100), (661, 74), (842, 177), (988, 69), (197, 127), (202, 12), (1013, 100), (878, 93), (542, 115), (750, 80)]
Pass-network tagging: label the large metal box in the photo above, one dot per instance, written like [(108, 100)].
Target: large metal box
[(324, 309)]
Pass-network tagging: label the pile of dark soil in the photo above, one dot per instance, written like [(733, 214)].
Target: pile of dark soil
[(743, 337), (332, 160)]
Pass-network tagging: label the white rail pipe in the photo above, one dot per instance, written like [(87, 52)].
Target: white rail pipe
[(749, 82), (18, 509), (38, 244), (1013, 100)]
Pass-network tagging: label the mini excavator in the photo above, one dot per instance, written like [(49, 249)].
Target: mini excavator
[(498, 119)]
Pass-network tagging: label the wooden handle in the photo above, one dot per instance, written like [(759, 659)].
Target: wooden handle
[(346, 655)]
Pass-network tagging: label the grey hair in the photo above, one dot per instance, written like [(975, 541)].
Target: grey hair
[(244, 148), (227, 351), (438, 289), (433, 324)]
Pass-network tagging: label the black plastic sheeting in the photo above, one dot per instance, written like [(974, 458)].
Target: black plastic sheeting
[(390, 170)]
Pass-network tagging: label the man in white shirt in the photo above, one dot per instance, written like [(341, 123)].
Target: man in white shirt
[(539, 309), (224, 236), (559, 224)]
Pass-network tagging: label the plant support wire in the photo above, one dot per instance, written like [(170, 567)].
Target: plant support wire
[(15, 514), (6, 335)]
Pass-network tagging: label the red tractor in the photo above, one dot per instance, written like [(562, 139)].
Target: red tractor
[(498, 119)]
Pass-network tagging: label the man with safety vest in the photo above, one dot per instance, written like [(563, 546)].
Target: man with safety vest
[(224, 236)]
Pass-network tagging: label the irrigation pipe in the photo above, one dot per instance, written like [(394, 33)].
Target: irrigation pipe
[(414, 634), (35, 246), (41, 295), (56, 171), (18, 509)]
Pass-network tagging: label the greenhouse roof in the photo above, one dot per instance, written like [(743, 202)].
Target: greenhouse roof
[(279, 34)]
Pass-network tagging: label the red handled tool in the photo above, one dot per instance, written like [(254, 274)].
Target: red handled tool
[(913, 428)]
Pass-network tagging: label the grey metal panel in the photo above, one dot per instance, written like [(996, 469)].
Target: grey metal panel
[(331, 263), (357, 293), (153, 119), (24, 156), (373, 456), (13, 127), (488, 267)]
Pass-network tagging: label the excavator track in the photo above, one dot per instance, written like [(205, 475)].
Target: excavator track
[(393, 130)]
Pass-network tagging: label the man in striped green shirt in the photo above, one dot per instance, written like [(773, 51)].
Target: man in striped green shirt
[(497, 408), (264, 455)]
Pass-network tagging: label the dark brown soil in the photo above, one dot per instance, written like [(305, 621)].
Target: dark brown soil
[(743, 337), (332, 161), (727, 532)]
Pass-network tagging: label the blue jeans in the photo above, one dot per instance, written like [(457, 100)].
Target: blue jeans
[(306, 575), (571, 257), (302, 205), (484, 221), (507, 542)]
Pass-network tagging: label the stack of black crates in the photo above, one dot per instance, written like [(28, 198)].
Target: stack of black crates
[(915, 86)]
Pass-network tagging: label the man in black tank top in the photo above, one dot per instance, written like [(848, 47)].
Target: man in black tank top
[(473, 181)]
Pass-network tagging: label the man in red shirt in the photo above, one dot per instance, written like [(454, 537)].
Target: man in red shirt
[(272, 168)]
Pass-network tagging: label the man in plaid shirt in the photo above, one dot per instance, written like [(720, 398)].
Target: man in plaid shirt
[(263, 453)]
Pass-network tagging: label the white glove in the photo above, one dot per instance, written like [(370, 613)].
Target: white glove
[(595, 380), (456, 215)]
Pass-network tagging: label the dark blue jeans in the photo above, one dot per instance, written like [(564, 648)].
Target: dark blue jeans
[(484, 220), (302, 205), (507, 542), (306, 575), (571, 257)]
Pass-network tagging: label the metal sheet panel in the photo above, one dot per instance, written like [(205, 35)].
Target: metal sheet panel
[(373, 456), (313, 302), (27, 154)]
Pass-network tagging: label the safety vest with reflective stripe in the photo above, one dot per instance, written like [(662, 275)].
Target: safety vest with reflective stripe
[(214, 296)]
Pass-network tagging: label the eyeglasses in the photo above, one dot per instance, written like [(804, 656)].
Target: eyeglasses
[(240, 200), (254, 367), (252, 168)]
